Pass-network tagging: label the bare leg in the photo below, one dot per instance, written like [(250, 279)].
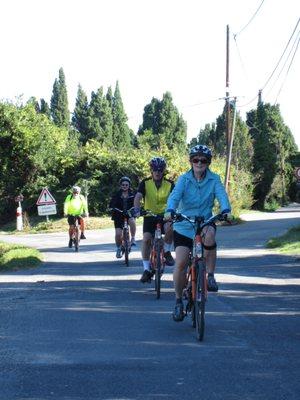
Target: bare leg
[(168, 233), (179, 277), (209, 239), (146, 245), (132, 226), (118, 237)]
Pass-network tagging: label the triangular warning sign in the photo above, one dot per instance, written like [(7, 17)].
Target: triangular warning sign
[(45, 198)]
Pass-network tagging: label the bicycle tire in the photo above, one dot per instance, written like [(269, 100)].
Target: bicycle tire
[(158, 271), (126, 246), (200, 301)]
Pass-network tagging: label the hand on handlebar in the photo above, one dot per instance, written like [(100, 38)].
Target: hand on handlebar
[(226, 215), (169, 215), (136, 212)]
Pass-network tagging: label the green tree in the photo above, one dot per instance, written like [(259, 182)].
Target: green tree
[(122, 135), (100, 118), (34, 153), (44, 108), (59, 101), (164, 121), (81, 114), (273, 146)]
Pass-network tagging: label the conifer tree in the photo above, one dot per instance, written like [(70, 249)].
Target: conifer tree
[(80, 114), (59, 101), (44, 108), (110, 97), (164, 121), (100, 118), (122, 134), (273, 145)]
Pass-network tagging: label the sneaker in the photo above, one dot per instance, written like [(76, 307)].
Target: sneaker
[(82, 236), (70, 243), (178, 313), (212, 284), (146, 277), (119, 252), (132, 242), (169, 259)]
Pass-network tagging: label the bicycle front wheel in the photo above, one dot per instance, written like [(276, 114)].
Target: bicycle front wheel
[(126, 246), (158, 270), (199, 304)]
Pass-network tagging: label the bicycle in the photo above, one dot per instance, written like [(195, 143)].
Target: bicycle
[(157, 258), (126, 246), (195, 291), (75, 230)]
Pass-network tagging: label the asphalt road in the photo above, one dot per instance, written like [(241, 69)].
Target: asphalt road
[(82, 326)]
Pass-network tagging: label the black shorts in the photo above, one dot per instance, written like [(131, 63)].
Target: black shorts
[(119, 222), (149, 225), (72, 219), (181, 240)]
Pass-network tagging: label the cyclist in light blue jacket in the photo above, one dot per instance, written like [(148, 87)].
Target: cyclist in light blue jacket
[(194, 195)]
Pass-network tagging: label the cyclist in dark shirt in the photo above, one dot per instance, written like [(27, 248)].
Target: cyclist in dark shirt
[(123, 200)]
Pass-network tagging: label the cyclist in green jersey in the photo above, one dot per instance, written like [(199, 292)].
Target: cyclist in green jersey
[(75, 205), (154, 191)]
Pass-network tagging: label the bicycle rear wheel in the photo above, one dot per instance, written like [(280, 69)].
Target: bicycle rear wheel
[(158, 273), (199, 304)]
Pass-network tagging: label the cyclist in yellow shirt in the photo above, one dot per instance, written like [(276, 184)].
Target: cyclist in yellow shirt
[(155, 191), (75, 206)]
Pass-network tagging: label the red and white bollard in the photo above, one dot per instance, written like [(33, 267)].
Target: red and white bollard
[(19, 218)]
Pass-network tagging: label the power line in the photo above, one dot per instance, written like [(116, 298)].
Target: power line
[(287, 71), (292, 48), (270, 77), (268, 80), (251, 19)]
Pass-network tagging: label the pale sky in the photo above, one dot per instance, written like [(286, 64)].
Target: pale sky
[(152, 47)]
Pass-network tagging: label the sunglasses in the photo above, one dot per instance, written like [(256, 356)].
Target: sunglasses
[(201, 160), (157, 170)]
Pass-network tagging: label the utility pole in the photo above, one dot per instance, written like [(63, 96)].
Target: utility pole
[(228, 133)]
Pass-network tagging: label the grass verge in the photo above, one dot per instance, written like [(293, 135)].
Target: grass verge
[(289, 243), (14, 257), (41, 225)]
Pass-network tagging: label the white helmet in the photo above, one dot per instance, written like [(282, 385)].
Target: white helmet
[(76, 189)]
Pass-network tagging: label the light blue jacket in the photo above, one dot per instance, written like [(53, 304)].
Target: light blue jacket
[(194, 198)]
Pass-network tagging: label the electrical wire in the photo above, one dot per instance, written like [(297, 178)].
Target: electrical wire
[(288, 70), (270, 77), (292, 48), (268, 80), (251, 19)]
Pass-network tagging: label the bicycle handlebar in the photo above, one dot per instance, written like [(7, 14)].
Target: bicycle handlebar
[(149, 212), (125, 213), (199, 220)]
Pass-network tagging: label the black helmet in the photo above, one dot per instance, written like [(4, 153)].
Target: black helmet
[(125, 179), (201, 150), (158, 164)]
